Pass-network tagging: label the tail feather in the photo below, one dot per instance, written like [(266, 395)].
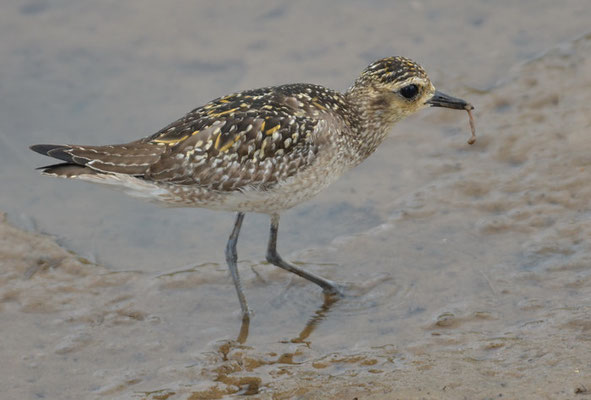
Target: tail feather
[(67, 170), (54, 150), (133, 159)]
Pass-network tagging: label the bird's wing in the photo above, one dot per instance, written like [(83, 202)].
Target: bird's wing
[(237, 149)]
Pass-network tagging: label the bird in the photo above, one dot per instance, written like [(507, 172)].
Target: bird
[(259, 151)]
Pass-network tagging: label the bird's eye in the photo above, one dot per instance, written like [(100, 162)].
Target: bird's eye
[(409, 91)]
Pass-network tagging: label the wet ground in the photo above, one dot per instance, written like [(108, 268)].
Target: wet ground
[(471, 264)]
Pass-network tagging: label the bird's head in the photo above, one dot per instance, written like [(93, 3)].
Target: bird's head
[(393, 88)]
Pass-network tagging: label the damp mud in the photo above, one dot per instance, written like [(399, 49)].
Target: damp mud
[(467, 268)]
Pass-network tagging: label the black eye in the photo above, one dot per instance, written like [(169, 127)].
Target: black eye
[(409, 91)]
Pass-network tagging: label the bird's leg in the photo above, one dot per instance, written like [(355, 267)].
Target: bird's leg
[(231, 258), (274, 258)]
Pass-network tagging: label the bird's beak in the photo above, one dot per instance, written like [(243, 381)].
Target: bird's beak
[(443, 100)]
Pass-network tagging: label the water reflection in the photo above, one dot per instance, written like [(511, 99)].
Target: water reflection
[(320, 315), (243, 334), (235, 358), (313, 322)]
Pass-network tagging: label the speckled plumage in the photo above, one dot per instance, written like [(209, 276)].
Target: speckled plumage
[(262, 150)]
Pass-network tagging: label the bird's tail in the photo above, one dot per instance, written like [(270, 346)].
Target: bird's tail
[(130, 159)]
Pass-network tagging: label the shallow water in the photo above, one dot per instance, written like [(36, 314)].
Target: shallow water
[(469, 266)]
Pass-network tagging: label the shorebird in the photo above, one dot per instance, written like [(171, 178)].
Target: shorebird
[(263, 150)]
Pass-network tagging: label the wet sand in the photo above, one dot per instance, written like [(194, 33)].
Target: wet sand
[(469, 266)]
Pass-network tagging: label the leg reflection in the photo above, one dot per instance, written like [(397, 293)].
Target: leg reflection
[(319, 315), (243, 334), (329, 300)]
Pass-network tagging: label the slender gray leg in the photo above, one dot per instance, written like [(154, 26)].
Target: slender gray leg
[(231, 258), (274, 258)]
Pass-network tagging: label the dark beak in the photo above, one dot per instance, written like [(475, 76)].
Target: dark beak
[(443, 100)]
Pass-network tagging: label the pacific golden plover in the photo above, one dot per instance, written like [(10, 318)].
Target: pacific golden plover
[(262, 150)]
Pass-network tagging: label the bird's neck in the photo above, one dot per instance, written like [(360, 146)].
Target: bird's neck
[(369, 121)]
